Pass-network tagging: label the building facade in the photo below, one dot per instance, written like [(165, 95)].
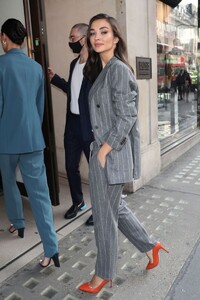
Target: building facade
[(163, 44), (166, 36)]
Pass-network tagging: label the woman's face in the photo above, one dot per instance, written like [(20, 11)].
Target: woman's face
[(102, 39)]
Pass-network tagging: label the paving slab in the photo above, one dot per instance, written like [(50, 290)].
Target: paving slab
[(186, 285), (182, 175), (16, 252), (168, 207)]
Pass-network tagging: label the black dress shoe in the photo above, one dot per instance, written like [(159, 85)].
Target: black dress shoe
[(90, 221), (73, 210)]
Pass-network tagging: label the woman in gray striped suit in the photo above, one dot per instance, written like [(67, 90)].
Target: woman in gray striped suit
[(115, 153)]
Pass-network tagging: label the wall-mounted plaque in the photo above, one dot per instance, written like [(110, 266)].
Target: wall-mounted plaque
[(143, 68)]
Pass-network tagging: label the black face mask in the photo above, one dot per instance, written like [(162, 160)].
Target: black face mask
[(76, 47)]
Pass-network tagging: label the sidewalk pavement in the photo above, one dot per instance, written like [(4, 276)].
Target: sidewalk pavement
[(169, 207)]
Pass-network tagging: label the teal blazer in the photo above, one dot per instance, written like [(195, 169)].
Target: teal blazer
[(21, 103)]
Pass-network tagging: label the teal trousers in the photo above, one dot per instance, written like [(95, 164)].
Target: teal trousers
[(33, 172)]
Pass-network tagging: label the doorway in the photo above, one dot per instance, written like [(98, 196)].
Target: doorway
[(32, 15)]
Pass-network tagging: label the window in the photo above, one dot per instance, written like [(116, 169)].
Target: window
[(177, 70)]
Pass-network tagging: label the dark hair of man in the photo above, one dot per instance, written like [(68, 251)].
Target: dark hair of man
[(15, 31), (82, 28), (94, 65)]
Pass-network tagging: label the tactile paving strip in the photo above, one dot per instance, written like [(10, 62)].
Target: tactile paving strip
[(78, 253), (158, 209)]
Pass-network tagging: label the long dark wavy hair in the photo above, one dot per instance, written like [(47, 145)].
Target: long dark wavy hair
[(94, 65)]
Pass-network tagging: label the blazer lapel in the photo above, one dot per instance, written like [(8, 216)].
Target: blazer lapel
[(100, 78)]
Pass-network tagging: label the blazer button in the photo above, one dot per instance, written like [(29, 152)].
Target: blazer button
[(123, 141), (96, 127), (98, 105)]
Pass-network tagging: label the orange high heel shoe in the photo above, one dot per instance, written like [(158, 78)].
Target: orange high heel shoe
[(155, 255), (85, 287)]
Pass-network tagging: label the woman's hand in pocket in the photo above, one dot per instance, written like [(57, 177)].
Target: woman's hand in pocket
[(103, 152)]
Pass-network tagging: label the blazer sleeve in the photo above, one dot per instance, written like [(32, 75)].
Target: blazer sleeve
[(1, 92), (1, 100), (124, 93), (60, 83), (40, 98)]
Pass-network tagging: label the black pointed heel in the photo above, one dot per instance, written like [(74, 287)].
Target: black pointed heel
[(21, 232), (55, 259)]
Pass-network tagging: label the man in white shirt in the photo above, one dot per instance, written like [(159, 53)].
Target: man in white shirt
[(78, 131)]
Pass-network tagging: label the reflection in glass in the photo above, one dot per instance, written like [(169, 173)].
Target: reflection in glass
[(177, 70)]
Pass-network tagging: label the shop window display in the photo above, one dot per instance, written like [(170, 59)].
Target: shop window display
[(177, 70)]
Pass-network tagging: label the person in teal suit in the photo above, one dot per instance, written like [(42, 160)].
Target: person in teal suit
[(21, 138)]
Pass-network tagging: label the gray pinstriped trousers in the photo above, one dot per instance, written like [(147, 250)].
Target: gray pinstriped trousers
[(110, 212)]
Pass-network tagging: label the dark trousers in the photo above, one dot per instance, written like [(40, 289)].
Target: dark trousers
[(180, 91), (74, 146)]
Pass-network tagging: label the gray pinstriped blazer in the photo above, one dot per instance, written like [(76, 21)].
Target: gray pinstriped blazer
[(113, 103)]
